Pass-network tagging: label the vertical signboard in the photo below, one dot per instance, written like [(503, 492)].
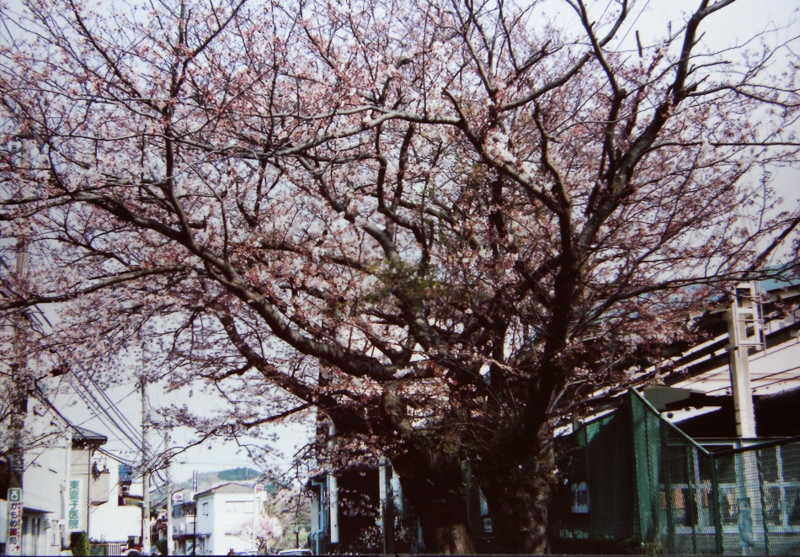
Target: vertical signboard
[(14, 539), (75, 505)]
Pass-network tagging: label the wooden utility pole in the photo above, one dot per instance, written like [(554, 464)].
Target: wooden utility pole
[(18, 389), (194, 523)]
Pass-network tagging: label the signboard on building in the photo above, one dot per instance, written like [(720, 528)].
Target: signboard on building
[(580, 498), (125, 473), (76, 502), (14, 538)]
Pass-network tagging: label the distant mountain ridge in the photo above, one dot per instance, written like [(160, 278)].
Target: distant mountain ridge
[(207, 480), (239, 474)]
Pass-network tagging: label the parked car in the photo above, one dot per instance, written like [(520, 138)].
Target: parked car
[(297, 551)]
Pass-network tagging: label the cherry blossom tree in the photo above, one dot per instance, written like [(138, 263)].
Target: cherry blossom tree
[(441, 223), (265, 531)]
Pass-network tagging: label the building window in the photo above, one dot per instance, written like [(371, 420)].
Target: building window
[(205, 509)]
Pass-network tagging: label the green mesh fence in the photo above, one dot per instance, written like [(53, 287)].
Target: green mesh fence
[(639, 484)]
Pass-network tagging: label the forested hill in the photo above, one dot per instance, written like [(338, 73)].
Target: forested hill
[(207, 480)]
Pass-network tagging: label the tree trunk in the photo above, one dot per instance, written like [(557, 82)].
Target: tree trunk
[(434, 486), (518, 489), (519, 508), (452, 539)]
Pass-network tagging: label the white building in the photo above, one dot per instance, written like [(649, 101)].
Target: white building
[(68, 487), (227, 516), (183, 521), (43, 528), (115, 514)]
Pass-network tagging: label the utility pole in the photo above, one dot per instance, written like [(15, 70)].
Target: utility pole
[(745, 331), (145, 464), (255, 514), (170, 541), (333, 494), (194, 530), (17, 454), (19, 387)]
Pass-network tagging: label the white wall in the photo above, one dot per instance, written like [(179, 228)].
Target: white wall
[(47, 461), (228, 513), (47, 467), (110, 522)]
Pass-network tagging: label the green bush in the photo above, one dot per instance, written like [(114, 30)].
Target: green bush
[(79, 544)]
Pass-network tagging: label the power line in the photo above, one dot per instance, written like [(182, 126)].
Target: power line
[(136, 434), (102, 414), (99, 412), (41, 396), (134, 443), (128, 430), (634, 22)]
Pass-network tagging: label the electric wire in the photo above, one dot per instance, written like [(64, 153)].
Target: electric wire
[(43, 398), (99, 412), (122, 459), (135, 438), (107, 420), (625, 36), (129, 431), (115, 408), (151, 457)]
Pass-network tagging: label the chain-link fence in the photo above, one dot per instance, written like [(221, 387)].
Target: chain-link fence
[(638, 483)]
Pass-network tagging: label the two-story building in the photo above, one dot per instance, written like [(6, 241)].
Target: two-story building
[(69, 487), (219, 519), (184, 521), (705, 456), (41, 526)]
